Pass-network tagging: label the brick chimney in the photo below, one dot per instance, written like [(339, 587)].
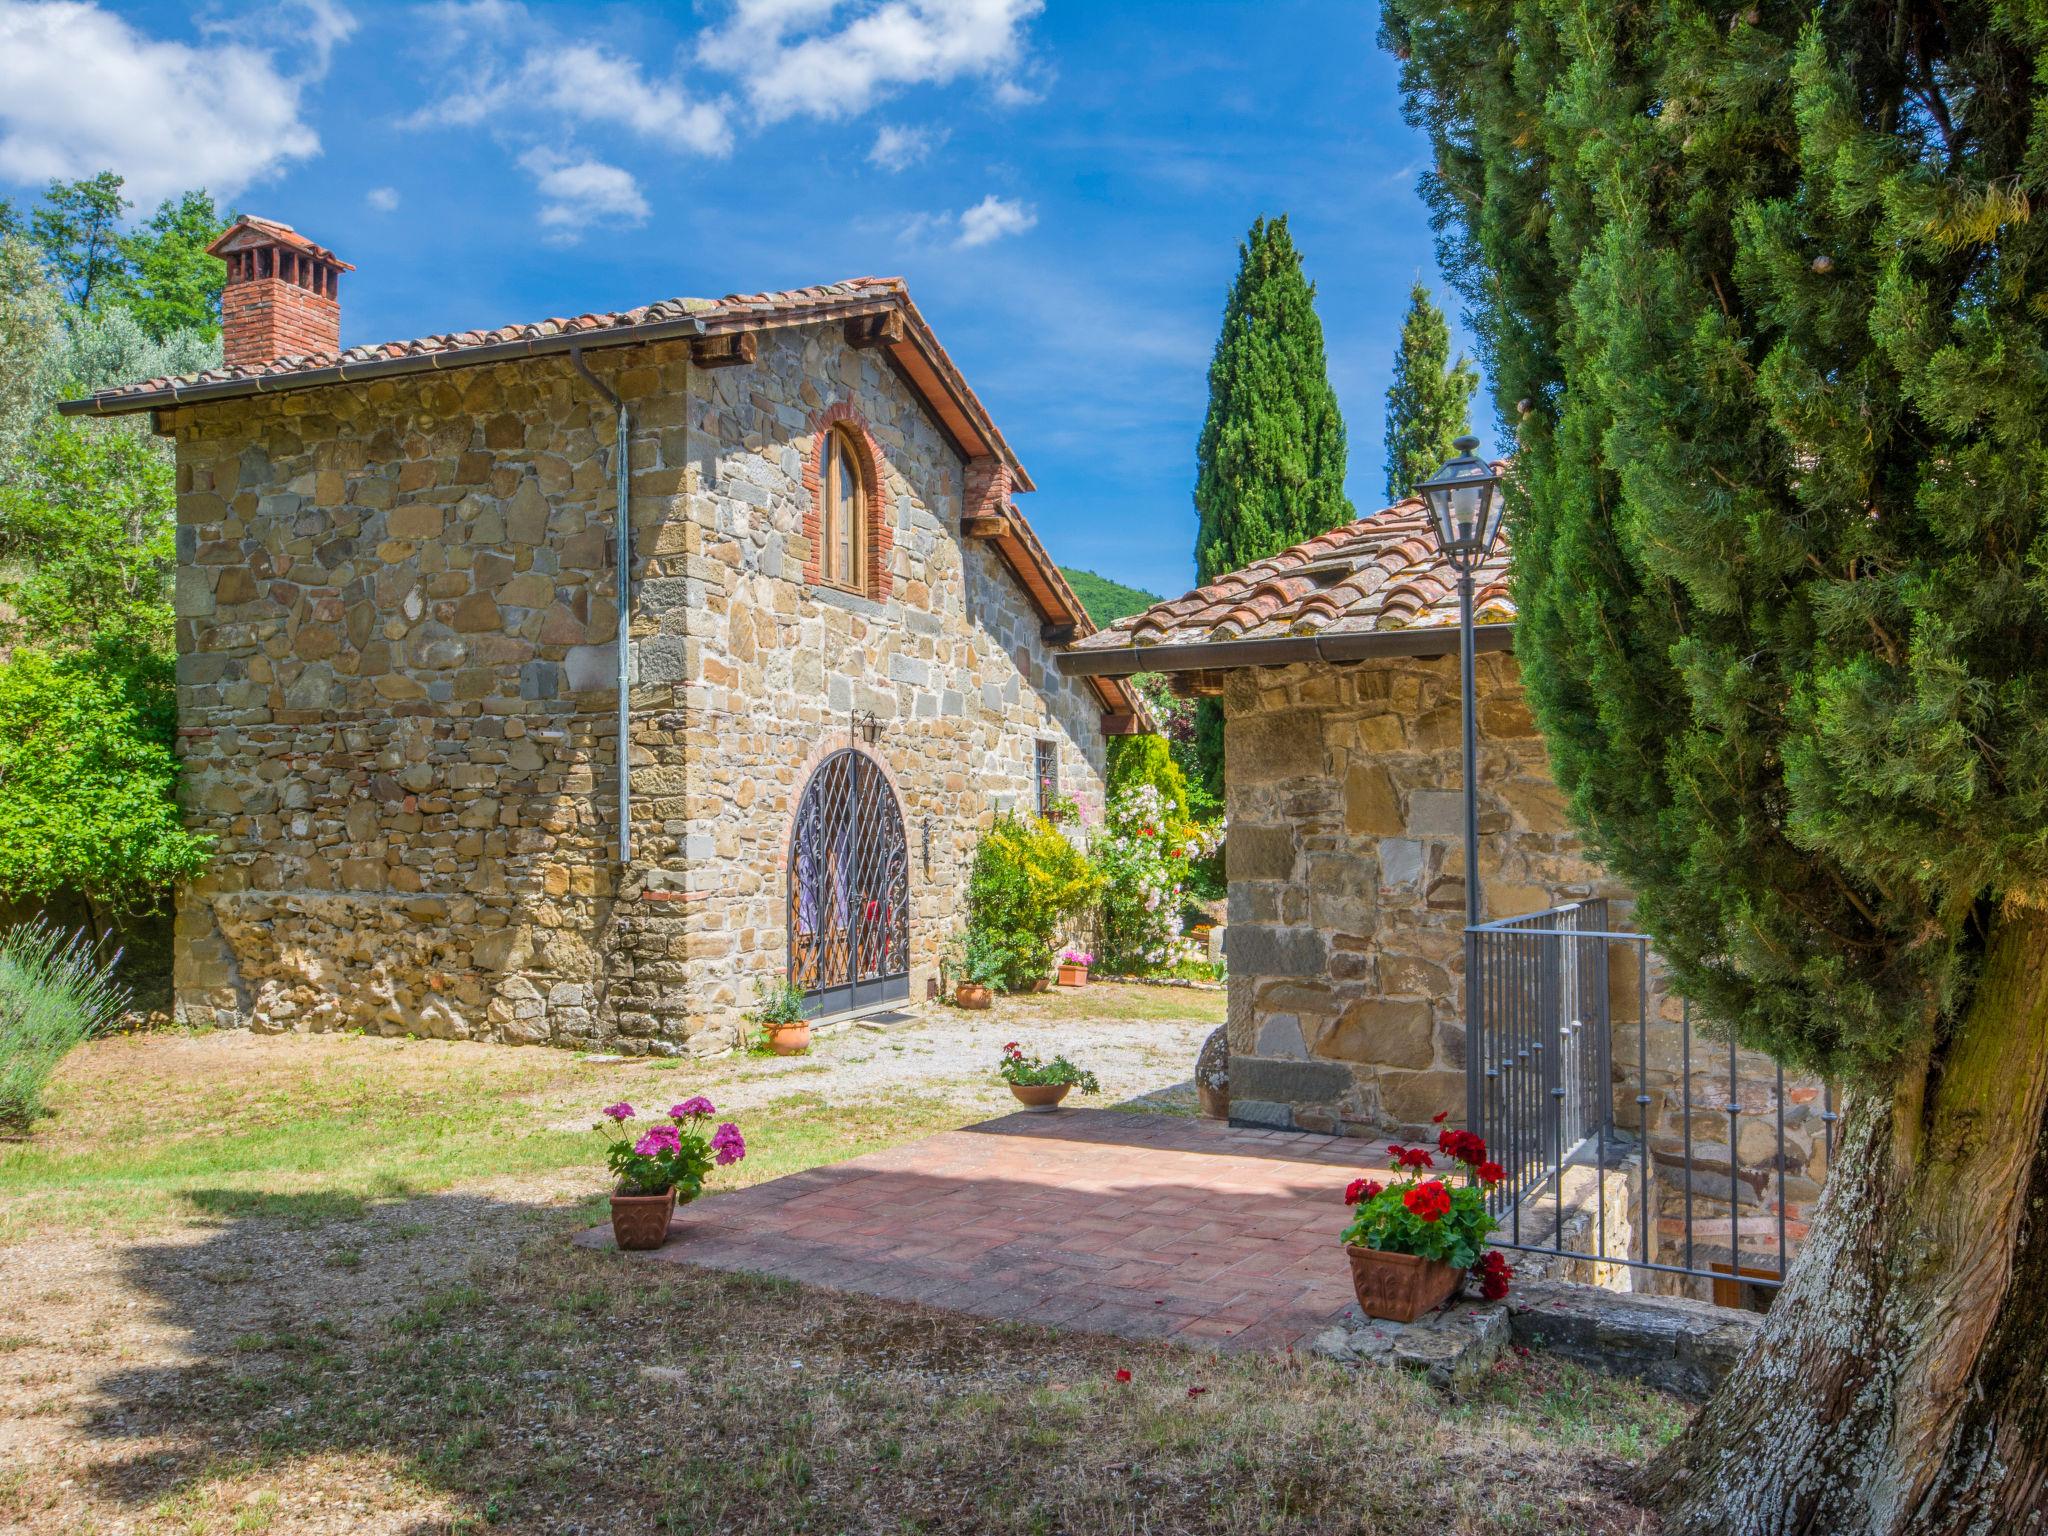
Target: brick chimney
[(283, 294)]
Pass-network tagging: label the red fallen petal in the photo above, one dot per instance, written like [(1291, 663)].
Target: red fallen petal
[(1123, 1375), (1196, 1391)]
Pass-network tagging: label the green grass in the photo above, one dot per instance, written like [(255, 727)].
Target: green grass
[(313, 1132)]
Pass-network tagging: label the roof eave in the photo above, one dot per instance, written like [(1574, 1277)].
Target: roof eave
[(1280, 650)]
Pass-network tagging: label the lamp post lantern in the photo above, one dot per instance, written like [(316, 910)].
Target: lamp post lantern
[(1464, 504)]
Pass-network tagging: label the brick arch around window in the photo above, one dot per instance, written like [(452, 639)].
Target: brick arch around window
[(881, 533)]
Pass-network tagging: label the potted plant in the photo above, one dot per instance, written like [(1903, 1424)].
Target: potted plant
[(1040, 1085), (662, 1167), (1212, 1075), (779, 1010), (977, 965), (1411, 1242), (1074, 965)]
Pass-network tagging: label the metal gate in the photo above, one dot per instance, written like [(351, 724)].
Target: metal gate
[(849, 889)]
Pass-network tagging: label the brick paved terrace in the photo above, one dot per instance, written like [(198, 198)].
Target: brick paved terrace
[(1140, 1225)]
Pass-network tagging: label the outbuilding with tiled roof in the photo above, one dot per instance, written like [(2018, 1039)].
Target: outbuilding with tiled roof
[(1336, 665)]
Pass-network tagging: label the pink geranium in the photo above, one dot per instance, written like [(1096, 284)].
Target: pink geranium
[(692, 1107), (619, 1111)]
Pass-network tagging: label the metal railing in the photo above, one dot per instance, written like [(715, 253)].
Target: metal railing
[(1548, 1064)]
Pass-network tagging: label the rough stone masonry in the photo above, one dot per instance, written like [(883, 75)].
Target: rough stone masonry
[(396, 638)]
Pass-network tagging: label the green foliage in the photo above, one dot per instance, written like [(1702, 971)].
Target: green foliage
[(672, 1154), (777, 1000), (1429, 405), (1027, 883), (1022, 1071), (1141, 858), (78, 228), (88, 777), (171, 285), (1147, 759), (31, 328), (1269, 466), (1767, 301), (975, 958), (55, 992), (1270, 461), (1106, 600), (1176, 718), (87, 534), (1456, 1236)]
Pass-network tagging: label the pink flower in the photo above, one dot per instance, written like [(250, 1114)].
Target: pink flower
[(691, 1107), (619, 1111), (727, 1145), (661, 1139)]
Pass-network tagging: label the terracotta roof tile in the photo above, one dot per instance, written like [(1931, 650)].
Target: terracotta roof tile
[(791, 304), (1379, 573)]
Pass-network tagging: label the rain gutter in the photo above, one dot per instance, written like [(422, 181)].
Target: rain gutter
[(569, 342), (622, 561)]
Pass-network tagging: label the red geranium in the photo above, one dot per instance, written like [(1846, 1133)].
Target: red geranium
[(1462, 1145), (1410, 1157), (1361, 1189), (1493, 1272), (1490, 1173), (1431, 1201)]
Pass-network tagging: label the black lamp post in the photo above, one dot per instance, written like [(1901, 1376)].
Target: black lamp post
[(1464, 504)]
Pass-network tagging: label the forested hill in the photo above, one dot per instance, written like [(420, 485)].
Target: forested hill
[(1106, 600)]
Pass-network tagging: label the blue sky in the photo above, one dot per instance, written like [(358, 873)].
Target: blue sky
[(1062, 183)]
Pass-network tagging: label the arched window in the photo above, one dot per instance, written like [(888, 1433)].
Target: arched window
[(844, 559)]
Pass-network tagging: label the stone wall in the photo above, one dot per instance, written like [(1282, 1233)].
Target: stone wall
[(1347, 890), (753, 672), (1347, 894), (396, 663)]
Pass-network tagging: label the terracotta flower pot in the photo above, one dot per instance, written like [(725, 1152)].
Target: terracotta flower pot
[(1399, 1287), (1215, 1101), (1040, 1098), (790, 1039), (1073, 975), (970, 994), (640, 1222), (1042, 984)]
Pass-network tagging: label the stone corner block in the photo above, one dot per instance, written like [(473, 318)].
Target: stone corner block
[(1680, 1346), (1276, 1080)]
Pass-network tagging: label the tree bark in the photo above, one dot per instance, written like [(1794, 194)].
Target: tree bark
[(1900, 1384)]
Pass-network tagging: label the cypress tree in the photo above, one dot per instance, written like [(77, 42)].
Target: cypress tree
[(1429, 406), (1765, 297), (1269, 466)]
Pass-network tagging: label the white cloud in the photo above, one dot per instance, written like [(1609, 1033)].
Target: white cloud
[(579, 192), (576, 82), (994, 217), (383, 199), (822, 58), (83, 91), (897, 148)]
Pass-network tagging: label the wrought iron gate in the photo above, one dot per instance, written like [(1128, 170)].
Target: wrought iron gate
[(849, 889)]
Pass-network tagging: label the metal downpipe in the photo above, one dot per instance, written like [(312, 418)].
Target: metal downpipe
[(622, 561)]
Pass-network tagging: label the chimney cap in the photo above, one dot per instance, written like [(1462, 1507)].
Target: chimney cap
[(250, 233)]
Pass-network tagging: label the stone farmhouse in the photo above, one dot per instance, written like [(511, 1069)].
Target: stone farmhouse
[(566, 682)]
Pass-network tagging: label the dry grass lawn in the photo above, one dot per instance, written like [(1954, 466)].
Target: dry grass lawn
[(261, 1285)]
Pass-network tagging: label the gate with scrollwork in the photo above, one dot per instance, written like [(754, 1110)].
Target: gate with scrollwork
[(849, 889)]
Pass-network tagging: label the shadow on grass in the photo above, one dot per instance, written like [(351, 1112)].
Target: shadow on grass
[(450, 1363)]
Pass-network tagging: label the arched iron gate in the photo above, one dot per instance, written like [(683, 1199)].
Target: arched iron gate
[(849, 889)]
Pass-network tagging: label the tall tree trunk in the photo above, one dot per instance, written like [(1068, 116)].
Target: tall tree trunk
[(1900, 1384)]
